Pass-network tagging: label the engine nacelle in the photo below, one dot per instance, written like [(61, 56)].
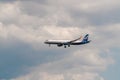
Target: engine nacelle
[(59, 45)]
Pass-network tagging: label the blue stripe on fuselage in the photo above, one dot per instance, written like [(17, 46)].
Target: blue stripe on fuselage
[(80, 43)]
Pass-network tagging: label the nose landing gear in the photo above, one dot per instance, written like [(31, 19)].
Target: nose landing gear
[(64, 46)]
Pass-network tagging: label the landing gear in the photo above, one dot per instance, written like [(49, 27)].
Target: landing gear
[(68, 45), (64, 46), (49, 45)]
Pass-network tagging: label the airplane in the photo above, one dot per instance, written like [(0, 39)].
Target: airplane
[(68, 43)]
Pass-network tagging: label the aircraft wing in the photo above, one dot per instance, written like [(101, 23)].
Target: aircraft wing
[(75, 40)]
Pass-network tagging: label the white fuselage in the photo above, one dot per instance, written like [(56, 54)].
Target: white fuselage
[(60, 41), (65, 43)]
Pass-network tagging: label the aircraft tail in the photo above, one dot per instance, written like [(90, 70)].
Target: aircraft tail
[(85, 39)]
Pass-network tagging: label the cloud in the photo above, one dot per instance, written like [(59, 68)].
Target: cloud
[(25, 25), (84, 64), (69, 76)]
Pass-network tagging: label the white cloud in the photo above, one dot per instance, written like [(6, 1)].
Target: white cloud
[(107, 35), (18, 21), (69, 76), (33, 36), (87, 6), (9, 12), (84, 64), (31, 29)]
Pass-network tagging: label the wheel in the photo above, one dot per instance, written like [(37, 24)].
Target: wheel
[(68, 45), (49, 45), (64, 46)]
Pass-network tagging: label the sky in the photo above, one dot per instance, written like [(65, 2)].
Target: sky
[(26, 24)]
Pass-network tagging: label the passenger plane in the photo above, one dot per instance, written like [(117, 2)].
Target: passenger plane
[(66, 43)]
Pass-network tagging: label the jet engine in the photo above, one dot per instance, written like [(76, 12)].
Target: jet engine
[(59, 45)]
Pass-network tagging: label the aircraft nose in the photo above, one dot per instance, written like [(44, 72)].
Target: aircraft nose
[(46, 41)]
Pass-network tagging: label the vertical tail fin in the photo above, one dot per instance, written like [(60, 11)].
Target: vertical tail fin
[(85, 39)]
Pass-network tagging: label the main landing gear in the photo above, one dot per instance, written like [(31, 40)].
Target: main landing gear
[(66, 46)]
